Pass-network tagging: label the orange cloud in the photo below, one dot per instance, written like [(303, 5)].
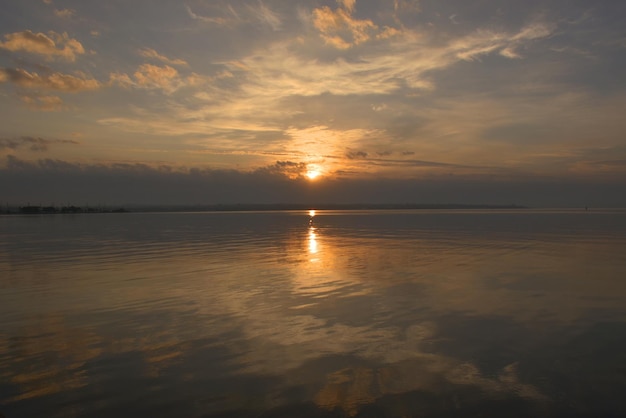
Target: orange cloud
[(51, 45), (347, 4), (54, 81), (148, 75), (152, 54), (121, 79), (339, 29), (43, 103), (166, 78)]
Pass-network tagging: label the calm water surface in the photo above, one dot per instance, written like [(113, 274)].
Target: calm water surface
[(372, 313)]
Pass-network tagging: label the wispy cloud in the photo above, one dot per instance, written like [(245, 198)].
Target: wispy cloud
[(33, 143), (44, 103), (362, 87), (231, 16), (406, 5), (265, 15), (349, 5), (267, 90), (65, 13), (405, 62), (50, 46), (209, 19), (152, 54), (483, 42)]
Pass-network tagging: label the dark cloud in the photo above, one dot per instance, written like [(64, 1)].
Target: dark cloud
[(611, 163), (32, 143), (356, 155), (286, 168), (50, 180)]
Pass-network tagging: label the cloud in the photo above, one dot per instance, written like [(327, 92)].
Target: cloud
[(229, 16), (510, 52), (347, 4), (356, 155), (290, 169), (406, 5), (32, 143), (535, 30), (339, 29), (166, 78), (121, 79), (42, 103), (220, 21), (275, 93), (273, 84), (148, 75), (138, 183), (265, 15), (51, 45), (64, 13), (152, 54), (483, 42), (54, 81)]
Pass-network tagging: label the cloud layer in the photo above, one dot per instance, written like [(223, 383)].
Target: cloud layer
[(356, 90), (50, 180)]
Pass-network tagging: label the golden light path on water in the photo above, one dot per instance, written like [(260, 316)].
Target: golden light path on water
[(312, 236)]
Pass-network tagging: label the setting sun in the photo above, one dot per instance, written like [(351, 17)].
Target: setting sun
[(312, 174)]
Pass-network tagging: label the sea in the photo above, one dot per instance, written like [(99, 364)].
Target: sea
[(381, 313)]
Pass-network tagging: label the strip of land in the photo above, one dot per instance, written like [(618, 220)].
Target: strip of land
[(248, 207)]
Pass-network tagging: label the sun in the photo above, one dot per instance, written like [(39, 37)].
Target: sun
[(312, 174)]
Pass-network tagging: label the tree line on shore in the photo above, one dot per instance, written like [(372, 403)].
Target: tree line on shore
[(42, 210)]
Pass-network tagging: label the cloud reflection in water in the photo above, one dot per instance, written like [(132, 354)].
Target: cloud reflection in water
[(393, 309)]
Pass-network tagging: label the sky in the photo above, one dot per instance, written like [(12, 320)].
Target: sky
[(287, 101)]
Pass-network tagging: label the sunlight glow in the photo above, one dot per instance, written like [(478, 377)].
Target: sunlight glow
[(312, 174)]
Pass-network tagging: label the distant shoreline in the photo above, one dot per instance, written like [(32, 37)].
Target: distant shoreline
[(329, 206), (249, 207), (53, 210)]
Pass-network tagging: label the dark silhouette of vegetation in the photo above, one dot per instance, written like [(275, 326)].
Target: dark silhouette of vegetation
[(49, 210), (248, 207)]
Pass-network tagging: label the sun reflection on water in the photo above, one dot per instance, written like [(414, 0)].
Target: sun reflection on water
[(312, 242), (312, 238)]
